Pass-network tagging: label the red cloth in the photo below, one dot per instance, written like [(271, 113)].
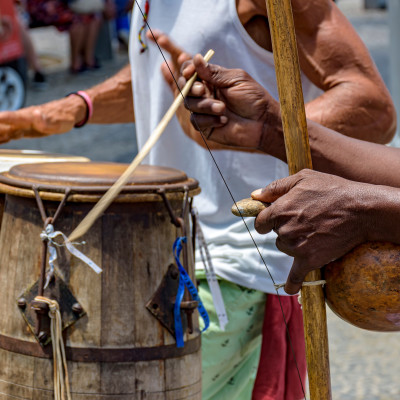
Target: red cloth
[(277, 375)]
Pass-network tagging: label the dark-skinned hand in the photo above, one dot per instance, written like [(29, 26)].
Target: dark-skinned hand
[(232, 108), (317, 218), (171, 73)]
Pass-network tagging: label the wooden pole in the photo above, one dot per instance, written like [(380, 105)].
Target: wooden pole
[(299, 157)]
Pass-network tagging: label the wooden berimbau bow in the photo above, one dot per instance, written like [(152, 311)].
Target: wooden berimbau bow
[(299, 157), (363, 286)]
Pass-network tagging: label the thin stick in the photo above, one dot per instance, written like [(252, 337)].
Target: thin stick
[(116, 188)]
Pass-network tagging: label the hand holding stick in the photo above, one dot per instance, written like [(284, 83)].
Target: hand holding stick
[(116, 188)]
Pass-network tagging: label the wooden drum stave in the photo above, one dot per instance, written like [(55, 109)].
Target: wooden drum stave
[(116, 348)]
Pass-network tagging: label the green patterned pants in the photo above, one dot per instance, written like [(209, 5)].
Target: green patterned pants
[(230, 358)]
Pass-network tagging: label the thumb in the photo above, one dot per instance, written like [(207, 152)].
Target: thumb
[(214, 74), (297, 274), (275, 189)]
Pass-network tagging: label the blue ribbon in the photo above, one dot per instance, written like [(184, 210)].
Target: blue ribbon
[(184, 280)]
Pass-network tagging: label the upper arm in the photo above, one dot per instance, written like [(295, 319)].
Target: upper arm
[(356, 101)]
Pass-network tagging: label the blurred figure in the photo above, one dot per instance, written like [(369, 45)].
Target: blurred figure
[(39, 79), (122, 22), (83, 26)]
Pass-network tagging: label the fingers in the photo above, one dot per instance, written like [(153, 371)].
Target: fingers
[(296, 276), (207, 123), (264, 222), (164, 42), (5, 133), (187, 69), (205, 106), (177, 53), (214, 74), (178, 56), (14, 121), (275, 189)]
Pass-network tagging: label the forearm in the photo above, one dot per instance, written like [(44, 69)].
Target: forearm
[(357, 109), (339, 155), (113, 99), (353, 159)]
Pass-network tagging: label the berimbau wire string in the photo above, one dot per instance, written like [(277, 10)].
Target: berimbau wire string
[(230, 194)]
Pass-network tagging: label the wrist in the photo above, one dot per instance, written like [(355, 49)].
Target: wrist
[(84, 108), (272, 139), (381, 210)]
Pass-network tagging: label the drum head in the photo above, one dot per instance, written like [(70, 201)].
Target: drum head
[(9, 158), (94, 177)]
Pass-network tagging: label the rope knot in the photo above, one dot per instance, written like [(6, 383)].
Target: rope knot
[(48, 233), (53, 307)]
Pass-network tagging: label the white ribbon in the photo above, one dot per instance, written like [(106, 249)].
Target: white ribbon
[(212, 279), (49, 234)]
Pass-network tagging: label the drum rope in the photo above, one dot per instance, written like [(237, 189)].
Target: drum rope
[(60, 369), (204, 139), (312, 283), (308, 283)]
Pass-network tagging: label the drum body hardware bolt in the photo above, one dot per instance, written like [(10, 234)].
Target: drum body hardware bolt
[(77, 308), (21, 303), (42, 336)]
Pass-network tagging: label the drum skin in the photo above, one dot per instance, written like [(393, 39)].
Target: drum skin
[(9, 158), (363, 287), (132, 243)]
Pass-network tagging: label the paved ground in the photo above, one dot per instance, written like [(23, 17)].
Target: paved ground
[(98, 142), (364, 365)]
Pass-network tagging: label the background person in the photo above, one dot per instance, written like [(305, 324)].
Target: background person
[(38, 79), (83, 28)]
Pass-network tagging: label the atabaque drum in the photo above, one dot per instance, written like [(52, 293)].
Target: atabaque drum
[(118, 325)]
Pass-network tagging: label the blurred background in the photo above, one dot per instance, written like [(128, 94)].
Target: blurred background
[(364, 365)]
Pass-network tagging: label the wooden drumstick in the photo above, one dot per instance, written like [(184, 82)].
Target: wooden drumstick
[(116, 188)]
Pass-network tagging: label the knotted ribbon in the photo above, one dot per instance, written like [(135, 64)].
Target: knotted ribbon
[(49, 235)]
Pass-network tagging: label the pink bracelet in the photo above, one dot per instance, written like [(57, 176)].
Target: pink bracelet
[(89, 107)]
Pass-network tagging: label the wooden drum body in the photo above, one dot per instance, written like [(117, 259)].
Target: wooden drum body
[(117, 349)]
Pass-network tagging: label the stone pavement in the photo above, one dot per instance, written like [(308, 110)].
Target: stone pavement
[(364, 365)]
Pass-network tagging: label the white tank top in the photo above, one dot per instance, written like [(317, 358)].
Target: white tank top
[(196, 26)]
